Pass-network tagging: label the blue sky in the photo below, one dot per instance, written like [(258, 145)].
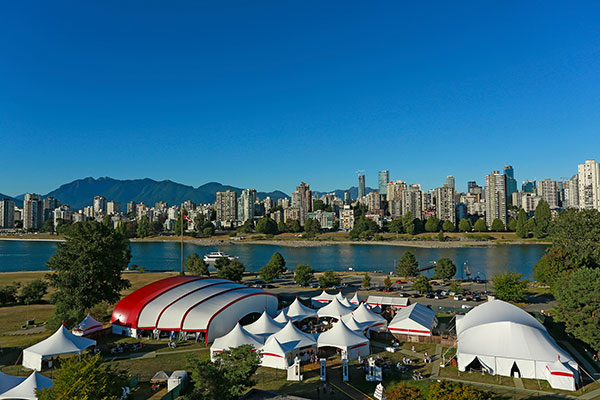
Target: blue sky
[(266, 94)]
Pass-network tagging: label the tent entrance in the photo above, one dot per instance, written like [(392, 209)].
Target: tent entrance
[(474, 365), (514, 371)]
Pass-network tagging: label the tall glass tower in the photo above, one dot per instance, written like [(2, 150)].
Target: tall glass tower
[(511, 183), (361, 186), (383, 179)]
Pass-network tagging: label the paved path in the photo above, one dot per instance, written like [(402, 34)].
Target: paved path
[(591, 369), (150, 354), (334, 377), (435, 370), (518, 383)]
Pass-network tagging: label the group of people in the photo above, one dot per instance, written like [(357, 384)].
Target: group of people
[(417, 376), (323, 392), (426, 358), (121, 347)]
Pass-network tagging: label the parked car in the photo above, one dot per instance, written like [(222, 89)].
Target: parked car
[(457, 297), (466, 307), (439, 296), (430, 295), (416, 295)]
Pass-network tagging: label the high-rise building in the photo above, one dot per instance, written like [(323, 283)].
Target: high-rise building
[(302, 201), (588, 175), (445, 209), (63, 213), (100, 205), (7, 213), (361, 186), (346, 218), (548, 191), (495, 198), (529, 186), (511, 182), (382, 179), (113, 207), (226, 207), (373, 201), (572, 192), (49, 205), (412, 201), (131, 207), (347, 198), (246, 205), (470, 185), (33, 213), (394, 190), (451, 182)]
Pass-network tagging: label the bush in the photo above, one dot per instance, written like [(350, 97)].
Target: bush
[(33, 292)]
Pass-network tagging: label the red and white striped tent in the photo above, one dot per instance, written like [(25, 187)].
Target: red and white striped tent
[(87, 326), (415, 319), (560, 376), (335, 309), (395, 302), (276, 355), (362, 315), (298, 311)]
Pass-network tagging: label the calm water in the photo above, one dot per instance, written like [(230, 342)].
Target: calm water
[(23, 255)]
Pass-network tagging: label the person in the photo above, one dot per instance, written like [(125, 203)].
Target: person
[(318, 393), (413, 349)]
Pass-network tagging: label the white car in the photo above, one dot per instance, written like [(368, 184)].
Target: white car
[(466, 307), (457, 297)]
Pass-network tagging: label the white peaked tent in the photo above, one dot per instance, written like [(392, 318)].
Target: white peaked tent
[(415, 319), (264, 327), (363, 315), (293, 338), (276, 355), (322, 299), (61, 342), (236, 337), (346, 303), (298, 311), (560, 376), (88, 325), (354, 325), (8, 382), (356, 300), (26, 389), (335, 309), (282, 317), (340, 336)]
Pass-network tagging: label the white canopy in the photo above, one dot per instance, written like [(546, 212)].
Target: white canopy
[(354, 325), (61, 342), (298, 311), (346, 303), (282, 317), (264, 327), (335, 309), (560, 376), (88, 325), (26, 389), (8, 382), (350, 342), (276, 355), (356, 300), (396, 302), (293, 338), (364, 315), (322, 299), (415, 319), (236, 337)]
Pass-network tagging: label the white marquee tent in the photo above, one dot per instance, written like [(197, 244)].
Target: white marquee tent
[(415, 319), (61, 342), (335, 309), (8, 382), (350, 342), (356, 326), (264, 327), (363, 315), (506, 340), (322, 299), (276, 355), (87, 326), (293, 338), (26, 389), (356, 300), (282, 317), (298, 311), (395, 302), (236, 337)]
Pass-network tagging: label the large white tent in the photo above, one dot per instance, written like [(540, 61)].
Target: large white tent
[(298, 311), (26, 389), (415, 319), (8, 382), (363, 315), (238, 336), (61, 342), (294, 340), (506, 340), (334, 309), (87, 326), (322, 299), (264, 327), (276, 355), (350, 342)]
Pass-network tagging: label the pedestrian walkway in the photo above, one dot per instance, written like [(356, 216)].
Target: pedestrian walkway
[(435, 370), (518, 383), (334, 376), (594, 394)]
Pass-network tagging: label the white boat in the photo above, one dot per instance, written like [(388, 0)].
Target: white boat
[(212, 257)]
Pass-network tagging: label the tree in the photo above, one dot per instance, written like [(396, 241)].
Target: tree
[(62, 225), (364, 228), (408, 265), (432, 224), (456, 287), (579, 307), (266, 226), (498, 225), (85, 379), (269, 272), (293, 226), (465, 225), (281, 228), (366, 281), (531, 224), (449, 390), (441, 236), (480, 225), (396, 226), (422, 285), (521, 227), (233, 270), (247, 226), (203, 226), (402, 391), (33, 292), (8, 293), (303, 274), (578, 233), (318, 205), (444, 269), (408, 222), (143, 227), (542, 219), (177, 228), (448, 226), (512, 224), (312, 226), (227, 378), (329, 278), (278, 260), (87, 269), (509, 286), (48, 225), (195, 265), (387, 282)]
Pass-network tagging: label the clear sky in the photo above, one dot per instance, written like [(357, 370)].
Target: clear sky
[(266, 94)]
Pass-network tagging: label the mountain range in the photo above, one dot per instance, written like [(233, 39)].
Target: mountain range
[(81, 192)]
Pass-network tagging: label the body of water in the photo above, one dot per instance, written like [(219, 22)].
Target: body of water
[(27, 255)]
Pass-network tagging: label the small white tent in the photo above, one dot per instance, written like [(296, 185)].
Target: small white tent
[(415, 319), (322, 299), (26, 389), (364, 315), (293, 338), (276, 355), (236, 337), (298, 311), (282, 317), (340, 336), (356, 300), (8, 382), (61, 342), (560, 376), (335, 309), (394, 302), (354, 325), (264, 327), (87, 326)]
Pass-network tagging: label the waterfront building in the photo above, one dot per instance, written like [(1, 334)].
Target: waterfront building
[(188, 205), (246, 205), (511, 182), (589, 185), (495, 198), (80, 217), (173, 213), (226, 208), (361, 186), (548, 191), (302, 200), (283, 202), (444, 208), (476, 190), (113, 207), (63, 213), (451, 182), (372, 201), (141, 210), (99, 205), (395, 208), (292, 214), (33, 213), (88, 212), (572, 192), (394, 190), (7, 214), (131, 207), (49, 205), (382, 180), (346, 218), (324, 218), (529, 186), (412, 201), (347, 198), (527, 201)]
